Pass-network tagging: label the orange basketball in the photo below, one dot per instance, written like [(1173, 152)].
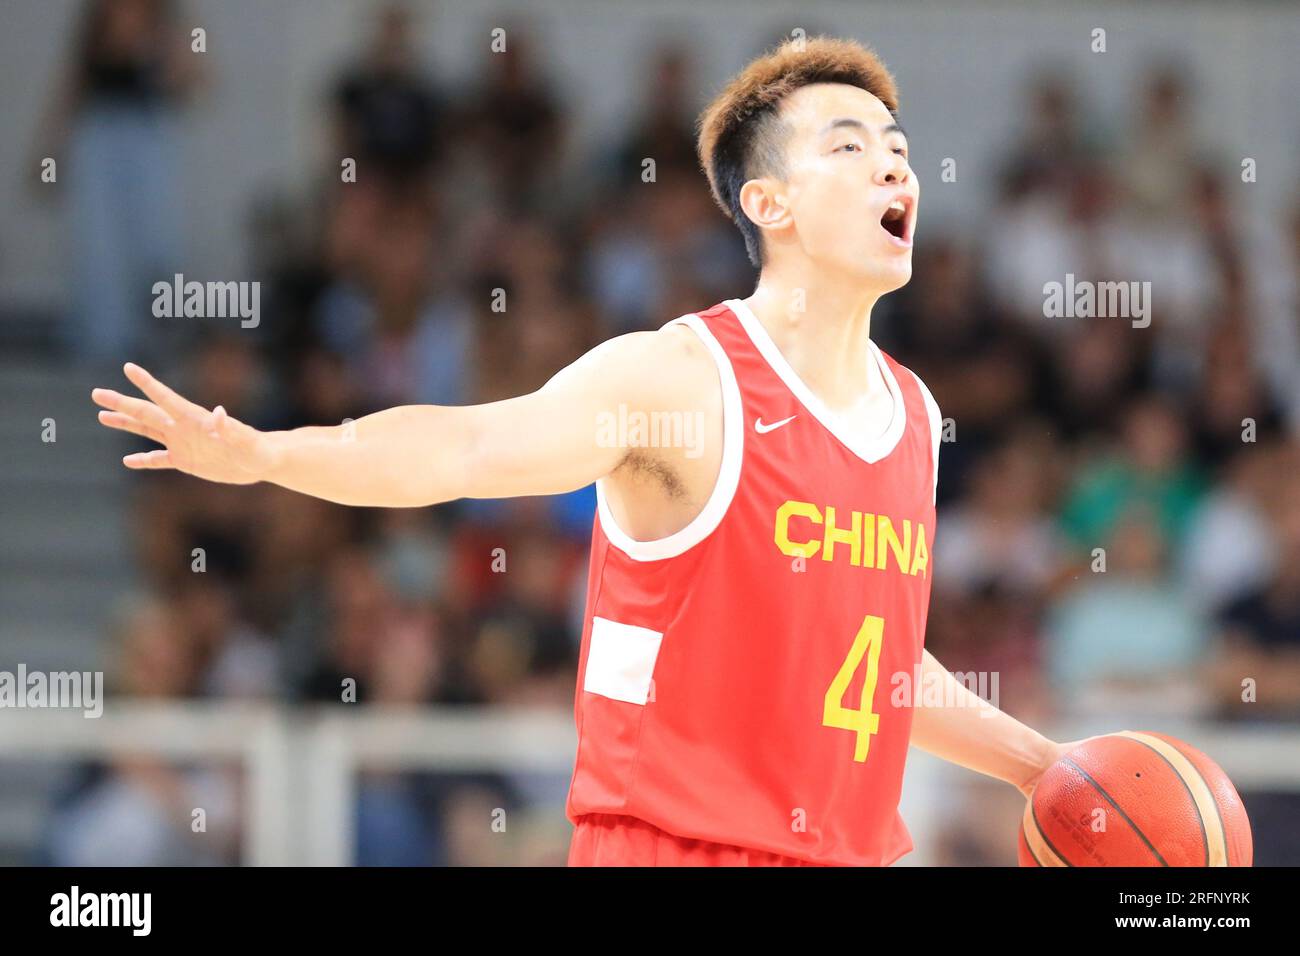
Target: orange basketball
[(1135, 798)]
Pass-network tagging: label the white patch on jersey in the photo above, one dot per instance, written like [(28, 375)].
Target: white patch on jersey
[(621, 660)]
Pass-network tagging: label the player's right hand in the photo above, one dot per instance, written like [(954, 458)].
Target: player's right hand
[(206, 444)]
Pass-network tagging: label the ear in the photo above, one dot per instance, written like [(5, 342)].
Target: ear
[(763, 201)]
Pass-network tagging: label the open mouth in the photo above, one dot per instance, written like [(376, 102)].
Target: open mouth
[(897, 220)]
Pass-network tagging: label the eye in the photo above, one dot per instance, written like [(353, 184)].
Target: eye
[(901, 151), (853, 146)]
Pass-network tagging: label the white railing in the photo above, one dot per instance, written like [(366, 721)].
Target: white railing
[(301, 763)]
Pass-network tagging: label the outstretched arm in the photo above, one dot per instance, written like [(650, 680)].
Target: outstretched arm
[(546, 442)]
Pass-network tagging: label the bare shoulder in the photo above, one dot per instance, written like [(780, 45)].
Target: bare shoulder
[(680, 352), (668, 368)]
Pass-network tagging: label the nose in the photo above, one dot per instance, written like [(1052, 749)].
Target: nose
[(894, 171)]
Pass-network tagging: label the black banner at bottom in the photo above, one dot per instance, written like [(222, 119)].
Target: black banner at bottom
[(354, 906)]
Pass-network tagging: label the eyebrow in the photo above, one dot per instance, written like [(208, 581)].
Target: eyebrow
[(893, 127)]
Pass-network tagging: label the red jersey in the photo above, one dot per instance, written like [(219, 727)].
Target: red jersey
[(749, 680)]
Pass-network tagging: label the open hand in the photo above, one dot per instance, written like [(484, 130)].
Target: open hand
[(206, 444)]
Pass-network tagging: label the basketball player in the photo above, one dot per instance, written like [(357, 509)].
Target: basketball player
[(753, 641)]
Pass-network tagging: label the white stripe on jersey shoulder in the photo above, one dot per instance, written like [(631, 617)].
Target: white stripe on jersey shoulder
[(724, 488), (936, 427)]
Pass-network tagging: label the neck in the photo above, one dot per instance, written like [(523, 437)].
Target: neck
[(823, 329)]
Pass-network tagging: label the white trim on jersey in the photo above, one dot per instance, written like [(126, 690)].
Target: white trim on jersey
[(724, 488), (936, 428), (870, 450)]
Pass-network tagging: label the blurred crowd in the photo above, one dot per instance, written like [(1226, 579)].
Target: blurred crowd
[(1119, 506)]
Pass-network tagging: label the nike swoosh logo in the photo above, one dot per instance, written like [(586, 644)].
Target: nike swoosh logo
[(764, 429)]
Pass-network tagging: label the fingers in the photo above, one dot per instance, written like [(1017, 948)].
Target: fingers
[(144, 412), (163, 396), (145, 460), (128, 424)]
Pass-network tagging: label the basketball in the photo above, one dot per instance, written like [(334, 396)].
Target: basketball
[(1135, 798)]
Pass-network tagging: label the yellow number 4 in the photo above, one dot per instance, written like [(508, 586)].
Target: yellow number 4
[(863, 720)]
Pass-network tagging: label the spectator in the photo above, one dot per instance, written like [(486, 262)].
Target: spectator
[(113, 129), (1151, 471), (1127, 638), (1260, 632)]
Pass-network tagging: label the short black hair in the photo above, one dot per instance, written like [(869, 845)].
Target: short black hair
[(741, 136)]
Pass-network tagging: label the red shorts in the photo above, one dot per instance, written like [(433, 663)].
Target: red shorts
[(607, 839)]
